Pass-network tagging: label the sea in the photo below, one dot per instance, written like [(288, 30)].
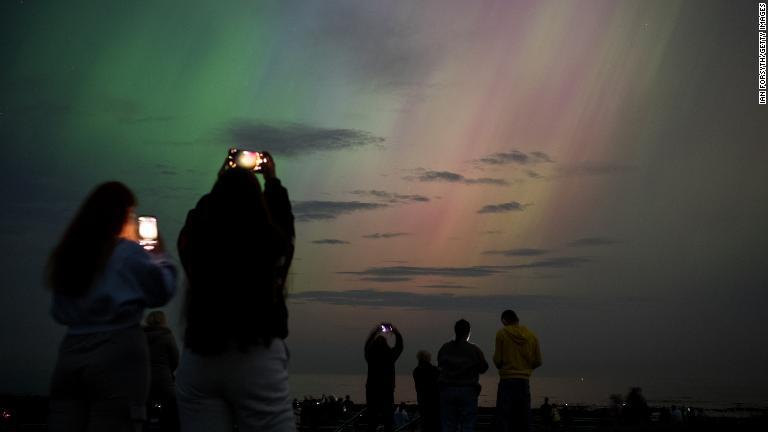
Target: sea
[(583, 391)]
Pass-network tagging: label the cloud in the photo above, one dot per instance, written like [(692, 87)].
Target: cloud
[(503, 207), (393, 198), (386, 279), (591, 168), (517, 252), (437, 301), (385, 235), (487, 180), (557, 262), (592, 241), (322, 210), (408, 271), (448, 286), (515, 157), (294, 139), (330, 242), (466, 272), (451, 177)]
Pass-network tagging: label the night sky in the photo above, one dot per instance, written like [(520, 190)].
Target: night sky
[(598, 166)]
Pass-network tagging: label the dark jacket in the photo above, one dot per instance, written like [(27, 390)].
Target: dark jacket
[(163, 361), (236, 274), (425, 377), (461, 364), (381, 362)]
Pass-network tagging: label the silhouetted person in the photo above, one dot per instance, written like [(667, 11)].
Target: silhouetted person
[(102, 281), (546, 414), (461, 364), (236, 247), (636, 409), (425, 377), (348, 404), (163, 361), (676, 416), (516, 355), (380, 384)]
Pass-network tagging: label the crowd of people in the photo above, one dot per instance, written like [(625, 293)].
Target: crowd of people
[(447, 393), (233, 368)]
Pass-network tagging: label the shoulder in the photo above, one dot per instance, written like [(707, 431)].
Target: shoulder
[(129, 251)]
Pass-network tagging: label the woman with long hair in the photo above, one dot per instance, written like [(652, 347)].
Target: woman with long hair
[(236, 247), (102, 281)]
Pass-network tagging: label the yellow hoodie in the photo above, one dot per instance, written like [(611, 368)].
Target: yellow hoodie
[(517, 352)]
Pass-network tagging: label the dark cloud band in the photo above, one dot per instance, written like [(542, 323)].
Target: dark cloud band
[(293, 139), (324, 210)]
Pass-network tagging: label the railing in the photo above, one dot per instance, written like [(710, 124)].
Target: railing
[(351, 420), (408, 425)]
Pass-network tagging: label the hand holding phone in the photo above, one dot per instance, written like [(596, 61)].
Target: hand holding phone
[(250, 160), (148, 234), (268, 166)]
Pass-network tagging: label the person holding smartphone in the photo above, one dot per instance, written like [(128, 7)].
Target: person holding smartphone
[(380, 384), (102, 280), (236, 247)]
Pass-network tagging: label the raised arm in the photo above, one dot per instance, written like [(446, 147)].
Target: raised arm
[(398, 349), (154, 274), (369, 341), (276, 197)]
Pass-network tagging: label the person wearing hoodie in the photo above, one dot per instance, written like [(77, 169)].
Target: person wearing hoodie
[(517, 354), (460, 363)]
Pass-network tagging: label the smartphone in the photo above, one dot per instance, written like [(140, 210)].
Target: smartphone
[(250, 160), (148, 232), (385, 327)]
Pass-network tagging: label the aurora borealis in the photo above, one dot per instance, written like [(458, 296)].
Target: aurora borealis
[(598, 166)]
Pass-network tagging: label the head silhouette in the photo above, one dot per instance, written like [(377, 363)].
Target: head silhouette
[(90, 239), (237, 197), (509, 317), (379, 344), (461, 329), (423, 356)]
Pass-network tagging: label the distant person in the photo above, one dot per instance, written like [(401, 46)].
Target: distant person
[(401, 416), (380, 384), (348, 404), (236, 247), (102, 281), (425, 377), (516, 355), (461, 364), (163, 361), (546, 413), (676, 415), (636, 411)]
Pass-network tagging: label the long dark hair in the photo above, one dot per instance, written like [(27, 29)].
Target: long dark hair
[(235, 294), (90, 239)]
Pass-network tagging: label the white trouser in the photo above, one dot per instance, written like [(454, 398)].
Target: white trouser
[(248, 389)]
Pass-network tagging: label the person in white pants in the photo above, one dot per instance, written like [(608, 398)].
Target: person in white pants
[(236, 247)]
